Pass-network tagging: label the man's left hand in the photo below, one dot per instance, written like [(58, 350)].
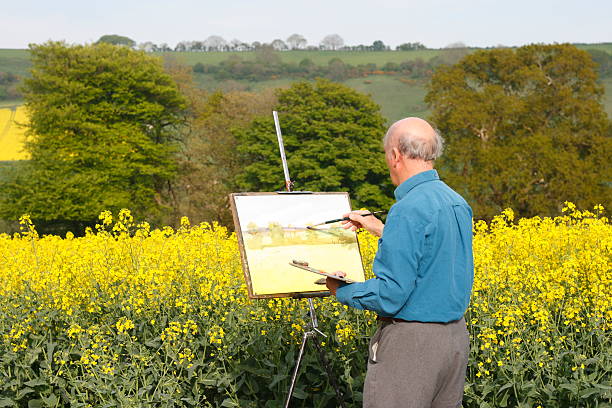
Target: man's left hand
[(334, 284)]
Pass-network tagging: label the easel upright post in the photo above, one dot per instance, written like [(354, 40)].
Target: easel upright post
[(314, 324), (281, 147)]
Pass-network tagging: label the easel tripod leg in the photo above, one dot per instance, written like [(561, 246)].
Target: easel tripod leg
[(297, 368)]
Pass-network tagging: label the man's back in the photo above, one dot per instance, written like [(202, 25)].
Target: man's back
[(445, 270), (424, 264)]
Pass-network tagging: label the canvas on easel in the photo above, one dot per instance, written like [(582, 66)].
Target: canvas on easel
[(273, 231)]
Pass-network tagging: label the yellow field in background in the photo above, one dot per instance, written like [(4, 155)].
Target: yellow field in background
[(12, 135)]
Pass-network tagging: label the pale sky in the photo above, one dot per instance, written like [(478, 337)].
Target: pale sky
[(435, 23)]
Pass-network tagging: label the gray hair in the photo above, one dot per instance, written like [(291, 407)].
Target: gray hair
[(416, 146)]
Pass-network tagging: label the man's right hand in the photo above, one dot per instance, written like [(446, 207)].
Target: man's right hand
[(370, 223)]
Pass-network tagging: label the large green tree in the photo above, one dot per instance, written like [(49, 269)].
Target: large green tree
[(101, 134), (332, 136), (524, 128)]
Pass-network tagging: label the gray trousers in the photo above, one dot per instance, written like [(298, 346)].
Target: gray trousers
[(417, 365)]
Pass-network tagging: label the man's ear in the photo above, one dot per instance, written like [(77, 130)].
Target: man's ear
[(395, 155)]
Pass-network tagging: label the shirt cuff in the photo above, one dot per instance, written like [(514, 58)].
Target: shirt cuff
[(344, 293)]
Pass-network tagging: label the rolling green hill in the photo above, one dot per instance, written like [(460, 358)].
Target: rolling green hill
[(397, 96), (380, 58), (318, 57), (18, 61)]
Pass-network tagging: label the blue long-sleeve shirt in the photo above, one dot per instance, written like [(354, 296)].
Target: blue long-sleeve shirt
[(424, 265)]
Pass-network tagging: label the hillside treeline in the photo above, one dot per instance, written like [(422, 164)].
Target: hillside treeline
[(112, 128), (295, 42), (8, 86), (268, 64)]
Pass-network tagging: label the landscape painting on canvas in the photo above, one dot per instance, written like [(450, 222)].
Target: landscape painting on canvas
[(272, 231)]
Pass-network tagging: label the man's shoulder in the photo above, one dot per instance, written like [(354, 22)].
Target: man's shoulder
[(454, 197), (414, 205), (427, 199)]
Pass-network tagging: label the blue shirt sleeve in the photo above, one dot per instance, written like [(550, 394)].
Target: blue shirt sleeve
[(395, 266)]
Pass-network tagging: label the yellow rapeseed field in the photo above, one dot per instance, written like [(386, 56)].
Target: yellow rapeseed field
[(12, 134), (130, 316)]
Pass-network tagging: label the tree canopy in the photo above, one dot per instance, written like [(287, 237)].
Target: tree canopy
[(100, 134), (524, 129), (332, 136), (115, 39)]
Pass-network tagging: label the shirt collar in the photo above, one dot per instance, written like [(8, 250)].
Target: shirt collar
[(412, 182)]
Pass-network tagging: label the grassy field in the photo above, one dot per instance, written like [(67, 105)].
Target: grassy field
[(318, 57), (209, 83), (607, 47), (15, 61), (397, 97)]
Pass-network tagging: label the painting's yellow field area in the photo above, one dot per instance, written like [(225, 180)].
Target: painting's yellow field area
[(12, 134), (271, 273)]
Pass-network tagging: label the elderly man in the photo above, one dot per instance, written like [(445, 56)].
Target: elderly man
[(424, 272)]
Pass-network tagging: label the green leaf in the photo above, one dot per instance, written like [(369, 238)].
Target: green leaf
[(228, 403), (505, 387), (589, 392), (277, 378), (299, 393), (570, 387), (6, 402), (36, 382), (504, 401), (51, 400), (23, 392), (50, 349)]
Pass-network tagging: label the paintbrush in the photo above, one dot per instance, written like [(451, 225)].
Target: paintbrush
[(343, 219)]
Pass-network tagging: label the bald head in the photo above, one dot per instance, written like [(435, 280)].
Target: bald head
[(415, 138)]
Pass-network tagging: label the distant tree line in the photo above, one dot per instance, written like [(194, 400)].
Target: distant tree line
[(295, 42), (268, 64), (238, 68)]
